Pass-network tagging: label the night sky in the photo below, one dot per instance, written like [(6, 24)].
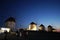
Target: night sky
[(45, 12)]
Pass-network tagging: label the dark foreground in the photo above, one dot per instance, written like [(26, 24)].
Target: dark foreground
[(32, 35)]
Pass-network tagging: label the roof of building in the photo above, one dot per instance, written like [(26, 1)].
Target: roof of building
[(33, 23), (50, 26), (10, 19), (41, 25)]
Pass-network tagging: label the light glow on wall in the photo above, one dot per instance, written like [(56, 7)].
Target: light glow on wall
[(5, 29), (32, 27)]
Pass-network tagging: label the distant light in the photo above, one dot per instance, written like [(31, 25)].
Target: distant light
[(54, 30), (5, 29)]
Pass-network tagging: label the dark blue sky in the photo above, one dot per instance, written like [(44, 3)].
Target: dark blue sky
[(45, 12)]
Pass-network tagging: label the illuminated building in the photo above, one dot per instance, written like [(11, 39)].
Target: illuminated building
[(10, 23), (54, 30), (32, 26), (51, 29), (42, 28), (5, 29)]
